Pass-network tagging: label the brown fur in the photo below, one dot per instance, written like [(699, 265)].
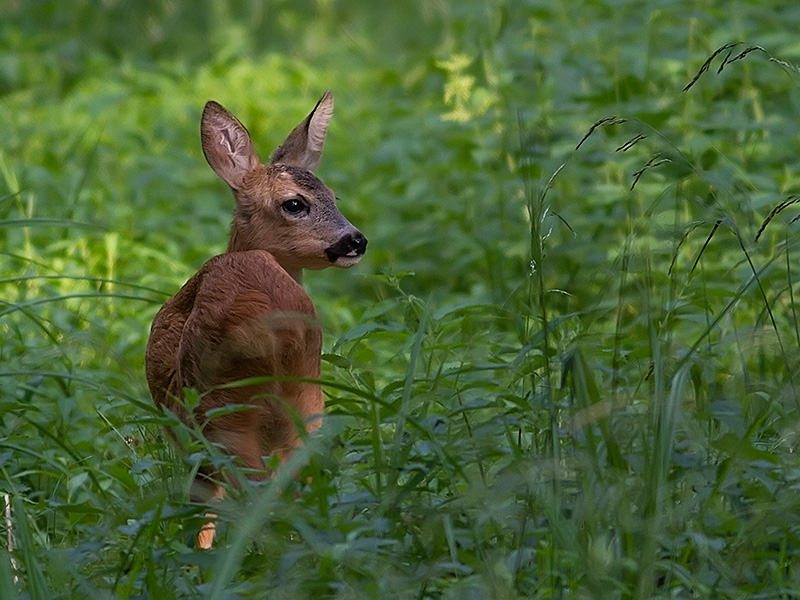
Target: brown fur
[(245, 314)]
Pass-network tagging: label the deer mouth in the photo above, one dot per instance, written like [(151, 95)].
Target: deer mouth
[(348, 250), (346, 261)]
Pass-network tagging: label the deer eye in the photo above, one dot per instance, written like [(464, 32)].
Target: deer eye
[(295, 206)]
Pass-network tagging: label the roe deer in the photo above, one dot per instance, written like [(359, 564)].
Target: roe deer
[(245, 314)]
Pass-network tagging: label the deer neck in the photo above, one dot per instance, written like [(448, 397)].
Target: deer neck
[(239, 243)]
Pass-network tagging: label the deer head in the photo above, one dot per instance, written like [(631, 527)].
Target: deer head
[(281, 207)]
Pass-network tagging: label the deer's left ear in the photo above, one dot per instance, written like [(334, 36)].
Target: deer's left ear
[(303, 147)]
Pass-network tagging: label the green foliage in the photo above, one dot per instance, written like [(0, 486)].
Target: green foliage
[(568, 365)]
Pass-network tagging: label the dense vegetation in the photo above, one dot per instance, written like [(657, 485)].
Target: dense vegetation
[(568, 365)]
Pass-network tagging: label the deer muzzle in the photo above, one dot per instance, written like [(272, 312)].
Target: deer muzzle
[(347, 250)]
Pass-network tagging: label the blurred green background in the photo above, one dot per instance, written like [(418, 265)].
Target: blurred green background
[(564, 367)]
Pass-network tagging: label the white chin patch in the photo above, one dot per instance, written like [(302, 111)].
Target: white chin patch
[(348, 260)]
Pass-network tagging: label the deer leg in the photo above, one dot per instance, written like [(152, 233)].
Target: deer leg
[(206, 488)]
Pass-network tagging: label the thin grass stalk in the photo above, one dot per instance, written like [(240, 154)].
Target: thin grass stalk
[(768, 307), (790, 284), (37, 584), (645, 552), (14, 307), (538, 298), (8, 565), (615, 360), (9, 579), (403, 413)]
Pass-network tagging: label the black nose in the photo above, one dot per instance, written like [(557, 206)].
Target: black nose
[(352, 244), (359, 243)]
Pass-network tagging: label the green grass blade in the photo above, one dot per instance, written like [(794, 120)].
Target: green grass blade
[(29, 552)]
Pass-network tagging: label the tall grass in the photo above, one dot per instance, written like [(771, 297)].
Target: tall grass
[(568, 366)]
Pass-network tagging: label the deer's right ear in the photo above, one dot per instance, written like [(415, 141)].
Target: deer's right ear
[(227, 145)]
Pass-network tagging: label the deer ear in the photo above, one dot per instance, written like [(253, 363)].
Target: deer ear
[(303, 147), (227, 145)]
